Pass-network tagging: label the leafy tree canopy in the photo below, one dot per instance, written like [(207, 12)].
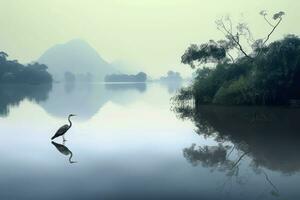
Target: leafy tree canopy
[(13, 72)]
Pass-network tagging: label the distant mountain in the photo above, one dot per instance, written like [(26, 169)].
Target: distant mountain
[(77, 57)]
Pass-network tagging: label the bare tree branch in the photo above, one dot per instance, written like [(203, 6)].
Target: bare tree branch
[(268, 21), (240, 158), (270, 182), (229, 34), (269, 35)]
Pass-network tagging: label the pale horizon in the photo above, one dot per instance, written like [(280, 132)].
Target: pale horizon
[(148, 35)]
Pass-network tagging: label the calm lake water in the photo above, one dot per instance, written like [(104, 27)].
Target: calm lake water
[(127, 143)]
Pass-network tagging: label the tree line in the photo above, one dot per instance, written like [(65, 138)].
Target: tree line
[(139, 77), (11, 71), (257, 74)]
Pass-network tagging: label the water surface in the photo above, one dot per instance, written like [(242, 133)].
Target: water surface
[(127, 143)]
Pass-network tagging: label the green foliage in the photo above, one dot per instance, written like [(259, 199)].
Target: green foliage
[(211, 52), (14, 72), (209, 81), (236, 93), (271, 78), (277, 75)]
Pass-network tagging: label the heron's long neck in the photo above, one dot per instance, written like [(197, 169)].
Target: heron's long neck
[(70, 121)]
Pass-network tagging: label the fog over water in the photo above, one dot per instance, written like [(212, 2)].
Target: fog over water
[(127, 143)]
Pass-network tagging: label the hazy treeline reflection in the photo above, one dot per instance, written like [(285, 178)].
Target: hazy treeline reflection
[(269, 136), (12, 95), (84, 99), (141, 87), (172, 86), (261, 138)]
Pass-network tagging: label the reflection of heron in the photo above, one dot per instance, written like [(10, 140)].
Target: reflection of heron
[(62, 130), (64, 150)]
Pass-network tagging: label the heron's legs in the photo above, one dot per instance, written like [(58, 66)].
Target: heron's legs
[(64, 139)]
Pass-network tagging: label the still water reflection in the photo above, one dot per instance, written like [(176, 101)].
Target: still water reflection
[(129, 144), (64, 150), (12, 95)]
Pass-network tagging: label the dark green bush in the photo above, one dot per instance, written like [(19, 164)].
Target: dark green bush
[(270, 79)]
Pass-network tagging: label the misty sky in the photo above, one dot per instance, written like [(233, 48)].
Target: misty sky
[(150, 34)]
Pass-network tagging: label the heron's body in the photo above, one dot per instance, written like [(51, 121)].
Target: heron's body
[(62, 130)]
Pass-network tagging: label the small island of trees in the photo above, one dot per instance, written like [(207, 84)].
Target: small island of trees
[(11, 71), (139, 77), (266, 74), (171, 77)]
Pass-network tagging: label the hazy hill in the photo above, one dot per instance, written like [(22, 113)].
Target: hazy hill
[(124, 67), (75, 56)]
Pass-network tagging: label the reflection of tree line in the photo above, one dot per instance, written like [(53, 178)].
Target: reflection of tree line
[(141, 87), (219, 158), (86, 99), (215, 157), (267, 136), (12, 95), (83, 98), (173, 86)]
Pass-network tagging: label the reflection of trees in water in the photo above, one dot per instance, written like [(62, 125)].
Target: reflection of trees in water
[(222, 159), (215, 157), (69, 87), (172, 85), (267, 137), (141, 87), (207, 156), (86, 99), (12, 95), (269, 134), (83, 99)]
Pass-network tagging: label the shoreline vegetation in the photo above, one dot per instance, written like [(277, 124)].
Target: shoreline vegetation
[(266, 74), (12, 72)]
